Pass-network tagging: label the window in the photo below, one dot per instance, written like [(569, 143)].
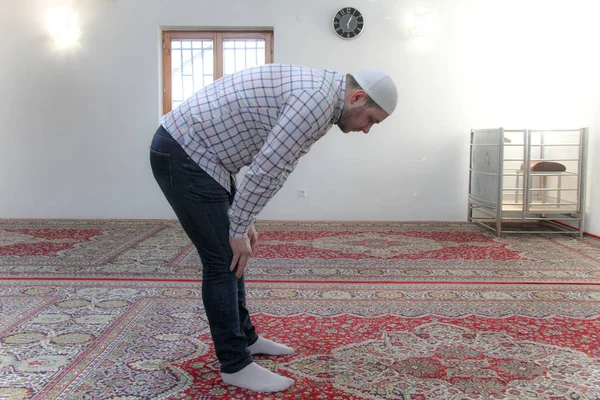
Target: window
[(193, 59)]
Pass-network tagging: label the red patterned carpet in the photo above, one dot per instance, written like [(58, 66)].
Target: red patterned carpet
[(299, 251), (112, 310)]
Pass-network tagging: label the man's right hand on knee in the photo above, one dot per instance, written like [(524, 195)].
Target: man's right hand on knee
[(242, 250)]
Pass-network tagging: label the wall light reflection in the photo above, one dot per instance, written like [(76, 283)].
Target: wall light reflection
[(63, 26)]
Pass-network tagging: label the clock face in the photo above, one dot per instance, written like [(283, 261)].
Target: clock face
[(348, 23)]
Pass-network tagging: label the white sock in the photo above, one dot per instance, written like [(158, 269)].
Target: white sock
[(268, 347), (256, 378)]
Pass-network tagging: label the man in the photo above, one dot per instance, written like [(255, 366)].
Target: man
[(265, 118)]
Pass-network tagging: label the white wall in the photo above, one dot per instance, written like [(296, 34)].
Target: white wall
[(77, 124)]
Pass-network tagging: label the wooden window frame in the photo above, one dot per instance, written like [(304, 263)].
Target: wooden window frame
[(217, 37)]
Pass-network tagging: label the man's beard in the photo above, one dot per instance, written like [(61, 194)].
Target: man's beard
[(346, 119)]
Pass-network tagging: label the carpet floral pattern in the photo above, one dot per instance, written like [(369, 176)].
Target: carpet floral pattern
[(100, 309), (306, 251), (149, 340)]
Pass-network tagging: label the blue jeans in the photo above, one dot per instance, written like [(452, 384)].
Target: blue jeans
[(201, 205)]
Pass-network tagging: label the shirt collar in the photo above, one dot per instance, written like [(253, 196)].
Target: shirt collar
[(337, 113)]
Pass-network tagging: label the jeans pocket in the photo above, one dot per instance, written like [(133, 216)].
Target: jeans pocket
[(201, 185), (161, 169)]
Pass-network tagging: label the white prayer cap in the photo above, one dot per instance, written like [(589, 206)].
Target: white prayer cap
[(379, 86)]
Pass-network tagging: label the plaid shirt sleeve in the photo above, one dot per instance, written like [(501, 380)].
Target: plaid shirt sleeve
[(302, 117)]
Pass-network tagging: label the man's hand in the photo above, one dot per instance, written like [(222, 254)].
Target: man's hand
[(253, 236), (242, 250)]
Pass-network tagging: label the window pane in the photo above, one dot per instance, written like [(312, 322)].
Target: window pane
[(240, 54), (251, 58), (208, 62), (186, 61), (199, 71), (192, 68), (188, 86), (228, 61), (176, 80), (176, 59), (240, 59), (176, 87)]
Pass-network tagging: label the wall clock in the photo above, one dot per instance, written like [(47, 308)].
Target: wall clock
[(348, 23)]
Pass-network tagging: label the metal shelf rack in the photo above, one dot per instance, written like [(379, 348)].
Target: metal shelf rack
[(528, 176)]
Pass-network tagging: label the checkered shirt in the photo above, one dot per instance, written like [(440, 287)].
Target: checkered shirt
[(265, 118)]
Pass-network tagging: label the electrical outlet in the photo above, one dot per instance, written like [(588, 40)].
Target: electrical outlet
[(302, 192)]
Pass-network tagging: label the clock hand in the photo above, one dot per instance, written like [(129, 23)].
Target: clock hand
[(348, 23)]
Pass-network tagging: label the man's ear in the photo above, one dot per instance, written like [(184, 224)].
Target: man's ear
[(358, 95)]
